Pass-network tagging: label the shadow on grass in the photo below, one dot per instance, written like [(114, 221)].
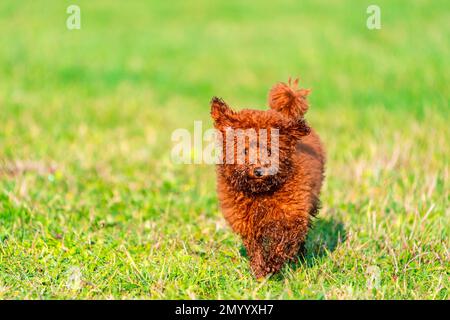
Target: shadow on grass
[(323, 238)]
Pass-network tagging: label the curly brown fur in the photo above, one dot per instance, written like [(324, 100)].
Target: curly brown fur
[(288, 99), (272, 214)]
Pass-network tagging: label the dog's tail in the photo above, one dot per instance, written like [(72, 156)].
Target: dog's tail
[(288, 99)]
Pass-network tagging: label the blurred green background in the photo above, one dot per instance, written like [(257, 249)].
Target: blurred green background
[(91, 205)]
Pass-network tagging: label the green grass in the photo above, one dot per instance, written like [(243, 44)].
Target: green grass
[(91, 205)]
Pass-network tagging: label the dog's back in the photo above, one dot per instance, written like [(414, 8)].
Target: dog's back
[(311, 156)]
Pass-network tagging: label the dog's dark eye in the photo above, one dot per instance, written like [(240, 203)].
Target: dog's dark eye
[(246, 151), (269, 152)]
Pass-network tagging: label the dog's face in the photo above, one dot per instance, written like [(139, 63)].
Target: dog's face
[(258, 146)]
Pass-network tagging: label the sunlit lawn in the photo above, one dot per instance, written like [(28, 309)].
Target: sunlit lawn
[(91, 205)]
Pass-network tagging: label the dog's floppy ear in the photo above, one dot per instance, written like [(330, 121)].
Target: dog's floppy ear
[(221, 113), (299, 128)]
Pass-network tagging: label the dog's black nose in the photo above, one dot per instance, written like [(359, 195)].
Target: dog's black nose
[(258, 172)]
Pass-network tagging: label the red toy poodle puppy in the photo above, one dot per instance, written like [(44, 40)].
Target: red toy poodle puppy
[(268, 198)]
